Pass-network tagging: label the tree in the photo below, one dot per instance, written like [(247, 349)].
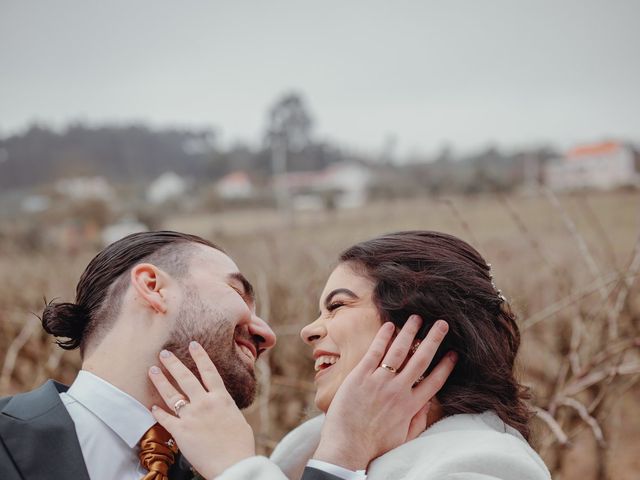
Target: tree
[(290, 123)]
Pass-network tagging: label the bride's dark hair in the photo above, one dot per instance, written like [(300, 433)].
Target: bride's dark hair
[(439, 276)]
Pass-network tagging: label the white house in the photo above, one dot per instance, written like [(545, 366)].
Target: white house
[(346, 183), (116, 231), (86, 188), (603, 165), (351, 180), (167, 186), (235, 186)]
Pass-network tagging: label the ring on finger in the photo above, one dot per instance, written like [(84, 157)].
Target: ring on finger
[(178, 405), (389, 368)]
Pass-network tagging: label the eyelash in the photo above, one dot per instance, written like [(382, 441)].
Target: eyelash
[(334, 306)]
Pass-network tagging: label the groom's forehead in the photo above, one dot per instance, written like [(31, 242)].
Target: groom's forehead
[(213, 262)]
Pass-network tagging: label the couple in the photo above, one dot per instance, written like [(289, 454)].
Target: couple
[(167, 330)]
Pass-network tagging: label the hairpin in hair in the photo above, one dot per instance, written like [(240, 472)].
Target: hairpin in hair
[(493, 284)]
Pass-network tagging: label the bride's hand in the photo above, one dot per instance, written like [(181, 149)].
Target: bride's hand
[(210, 430), (376, 409)]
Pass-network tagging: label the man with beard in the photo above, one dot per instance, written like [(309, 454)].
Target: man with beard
[(144, 294)]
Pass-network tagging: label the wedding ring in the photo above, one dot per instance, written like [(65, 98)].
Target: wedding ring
[(178, 405), (389, 367)]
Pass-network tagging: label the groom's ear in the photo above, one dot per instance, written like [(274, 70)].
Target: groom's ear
[(150, 285)]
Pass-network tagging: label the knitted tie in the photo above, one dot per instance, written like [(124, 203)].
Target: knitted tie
[(157, 453)]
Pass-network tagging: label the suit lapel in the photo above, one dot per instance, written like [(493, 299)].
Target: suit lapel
[(40, 435), (181, 469)]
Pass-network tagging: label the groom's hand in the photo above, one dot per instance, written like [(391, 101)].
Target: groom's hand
[(376, 409)]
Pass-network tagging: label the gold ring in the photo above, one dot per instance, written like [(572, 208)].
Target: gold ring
[(178, 405), (388, 367)]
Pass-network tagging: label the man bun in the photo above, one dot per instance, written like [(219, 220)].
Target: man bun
[(65, 320)]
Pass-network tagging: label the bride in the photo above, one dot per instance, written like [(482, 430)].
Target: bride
[(387, 411)]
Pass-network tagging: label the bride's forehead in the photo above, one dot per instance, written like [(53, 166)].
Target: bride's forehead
[(344, 276)]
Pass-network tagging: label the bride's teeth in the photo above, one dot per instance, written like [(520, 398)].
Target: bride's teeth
[(325, 359)]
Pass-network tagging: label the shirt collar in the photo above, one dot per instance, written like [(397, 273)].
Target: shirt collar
[(122, 413)]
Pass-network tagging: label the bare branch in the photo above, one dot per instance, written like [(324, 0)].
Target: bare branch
[(554, 426), (574, 297), (584, 415), (599, 375)]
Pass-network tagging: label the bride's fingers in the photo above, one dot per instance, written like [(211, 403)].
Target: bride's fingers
[(399, 349), (418, 422), (208, 371), (164, 418), (167, 391), (186, 380), (423, 355), (432, 384), (371, 360)]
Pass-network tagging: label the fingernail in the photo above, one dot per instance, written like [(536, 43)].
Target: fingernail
[(154, 370), (165, 353), (443, 326), (416, 318), (453, 356), (193, 345), (154, 408)]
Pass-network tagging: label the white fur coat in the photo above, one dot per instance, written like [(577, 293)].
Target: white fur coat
[(460, 447)]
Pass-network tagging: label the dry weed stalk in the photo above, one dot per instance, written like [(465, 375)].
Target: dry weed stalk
[(9, 363)]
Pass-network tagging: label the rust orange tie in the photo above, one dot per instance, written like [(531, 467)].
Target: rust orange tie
[(157, 453)]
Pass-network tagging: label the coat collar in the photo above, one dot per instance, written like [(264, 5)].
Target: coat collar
[(40, 435)]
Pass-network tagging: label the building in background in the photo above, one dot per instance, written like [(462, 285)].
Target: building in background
[(235, 186), (167, 186), (341, 185), (86, 188), (602, 165)]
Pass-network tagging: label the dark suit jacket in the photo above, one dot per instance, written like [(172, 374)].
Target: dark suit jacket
[(311, 473), (38, 438)]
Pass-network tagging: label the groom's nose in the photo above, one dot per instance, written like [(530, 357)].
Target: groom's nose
[(262, 334)]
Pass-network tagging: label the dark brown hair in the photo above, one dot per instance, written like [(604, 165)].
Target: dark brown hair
[(103, 283), (439, 276)]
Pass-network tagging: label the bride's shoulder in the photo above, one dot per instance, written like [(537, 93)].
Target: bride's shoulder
[(476, 442), (296, 448)]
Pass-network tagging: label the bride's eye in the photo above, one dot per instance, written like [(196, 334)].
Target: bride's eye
[(334, 306)]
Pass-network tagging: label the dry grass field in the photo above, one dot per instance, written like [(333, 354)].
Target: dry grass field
[(568, 266)]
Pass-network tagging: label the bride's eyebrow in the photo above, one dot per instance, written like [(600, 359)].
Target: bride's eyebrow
[(337, 291)]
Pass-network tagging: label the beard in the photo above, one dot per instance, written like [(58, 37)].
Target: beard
[(216, 333)]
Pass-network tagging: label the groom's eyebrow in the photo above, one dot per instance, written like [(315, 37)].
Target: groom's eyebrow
[(246, 285)]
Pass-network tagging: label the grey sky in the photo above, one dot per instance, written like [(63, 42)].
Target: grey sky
[(468, 72)]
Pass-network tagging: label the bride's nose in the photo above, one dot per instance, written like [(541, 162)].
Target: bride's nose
[(312, 332)]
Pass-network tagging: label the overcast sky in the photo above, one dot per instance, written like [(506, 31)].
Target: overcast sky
[(469, 73)]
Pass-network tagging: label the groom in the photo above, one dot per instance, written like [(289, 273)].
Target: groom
[(144, 293)]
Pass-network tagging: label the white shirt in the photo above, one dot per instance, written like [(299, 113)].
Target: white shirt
[(109, 424)]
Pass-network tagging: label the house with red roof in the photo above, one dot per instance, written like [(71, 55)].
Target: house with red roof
[(602, 165)]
